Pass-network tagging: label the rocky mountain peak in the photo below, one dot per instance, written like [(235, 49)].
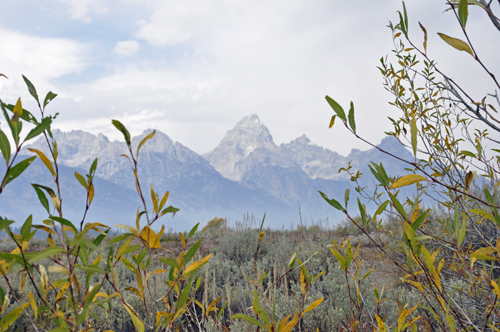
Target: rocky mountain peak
[(247, 136)]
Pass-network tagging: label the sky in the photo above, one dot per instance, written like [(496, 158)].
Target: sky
[(192, 69)]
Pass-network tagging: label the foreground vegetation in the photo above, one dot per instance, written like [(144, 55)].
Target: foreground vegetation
[(411, 265)]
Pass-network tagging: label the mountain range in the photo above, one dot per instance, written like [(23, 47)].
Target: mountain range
[(246, 172)]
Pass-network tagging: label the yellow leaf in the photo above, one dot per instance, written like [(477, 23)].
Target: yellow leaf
[(160, 271), (62, 291), (292, 323), (313, 305), (158, 237), (33, 304), (164, 199), (148, 236), (139, 325), (45, 160), (23, 282), (303, 281), (456, 43), (407, 180), (261, 235), (183, 241), (44, 278), (495, 287), (415, 214), (468, 179), (415, 284), (59, 269), (195, 265), (380, 322), (154, 199), (91, 193), (129, 229), (97, 260), (135, 290)]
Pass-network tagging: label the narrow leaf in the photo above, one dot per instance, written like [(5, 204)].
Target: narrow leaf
[(456, 43)]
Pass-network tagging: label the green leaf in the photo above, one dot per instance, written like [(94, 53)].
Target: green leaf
[(192, 251), (81, 179), (47, 252), (48, 98), (463, 12), (26, 228), (332, 202), (398, 205), (185, 292), (336, 108), (18, 169), (93, 168), (40, 128), (346, 197), (258, 309), (418, 222), (352, 124), (169, 209), (381, 209), (362, 213), (123, 130), (31, 89), (193, 230), (119, 238), (41, 196), (456, 43), (144, 140), (90, 268), (9, 122), (97, 241), (249, 319), (65, 222), (414, 132), (5, 147), (170, 261)]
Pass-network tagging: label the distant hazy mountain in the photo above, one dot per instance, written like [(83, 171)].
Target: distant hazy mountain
[(293, 172), (246, 172)]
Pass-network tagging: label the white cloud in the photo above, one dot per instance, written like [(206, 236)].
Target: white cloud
[(40, 59), (126, 48), (85, 9), (204, 64)]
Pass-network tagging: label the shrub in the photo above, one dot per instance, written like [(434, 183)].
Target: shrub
[(448, 254)]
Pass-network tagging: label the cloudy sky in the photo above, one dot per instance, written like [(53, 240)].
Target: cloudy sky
[(192, 69)]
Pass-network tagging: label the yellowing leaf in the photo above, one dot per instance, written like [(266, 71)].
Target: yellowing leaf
[(135, 290), (313, 305), (139, 325), (495, 288), (407, 180), (91, 193), (414, 132), (415, 284), (11, 317), (196, 265), (45, 160), (33, 304), (62, 291), (148, 236), (456, 43), (44, 278), (380, 322)]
